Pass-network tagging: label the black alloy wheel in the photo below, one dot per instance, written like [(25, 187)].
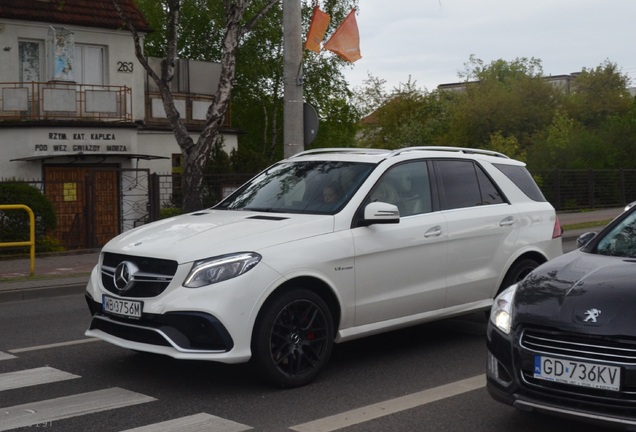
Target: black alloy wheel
[(293, 338), (518, 272)]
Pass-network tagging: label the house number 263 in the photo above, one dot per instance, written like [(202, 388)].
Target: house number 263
[(124, 66)]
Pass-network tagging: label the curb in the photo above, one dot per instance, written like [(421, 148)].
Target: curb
[(19, 294)]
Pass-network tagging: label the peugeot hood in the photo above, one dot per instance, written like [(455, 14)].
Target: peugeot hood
[(564, 292)]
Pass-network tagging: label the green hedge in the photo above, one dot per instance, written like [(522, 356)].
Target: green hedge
[(14, 224)]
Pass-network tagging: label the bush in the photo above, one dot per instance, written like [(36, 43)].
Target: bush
[(168, 212), (14, 224)]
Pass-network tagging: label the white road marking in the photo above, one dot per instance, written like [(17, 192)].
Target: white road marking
[(31, 377), (5, 356), (54, 345), (392, 406), (194, 423), (48, 411)]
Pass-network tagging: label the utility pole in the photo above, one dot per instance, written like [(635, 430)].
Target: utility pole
[(293, 133)]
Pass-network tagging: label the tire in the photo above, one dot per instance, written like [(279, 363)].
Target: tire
[(517, 272), (292, 339)]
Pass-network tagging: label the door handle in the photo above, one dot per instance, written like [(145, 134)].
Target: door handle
[(509, 221), (436, 231)]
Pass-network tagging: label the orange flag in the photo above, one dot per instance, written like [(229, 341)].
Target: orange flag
[(346, 40), (317, 29)]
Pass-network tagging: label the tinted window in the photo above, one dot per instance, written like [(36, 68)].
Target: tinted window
[(489, 192), (520, 176), (464, 184)]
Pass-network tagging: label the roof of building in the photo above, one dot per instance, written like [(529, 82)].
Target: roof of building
[(89, 13)]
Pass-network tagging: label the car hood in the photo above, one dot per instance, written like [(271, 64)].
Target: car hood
[(210, 233), (580, 292)]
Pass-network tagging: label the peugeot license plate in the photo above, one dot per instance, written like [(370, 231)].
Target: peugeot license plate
[(577, 373), (126, 308)]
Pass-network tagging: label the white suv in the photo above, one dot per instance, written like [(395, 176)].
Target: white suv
[(326, 246)]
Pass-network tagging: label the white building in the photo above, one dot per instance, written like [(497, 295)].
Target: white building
[(78, 113)]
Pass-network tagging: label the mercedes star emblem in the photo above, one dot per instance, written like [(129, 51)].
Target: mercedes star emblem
[(124, 275)]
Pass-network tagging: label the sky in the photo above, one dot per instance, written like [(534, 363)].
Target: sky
[(431, 41)]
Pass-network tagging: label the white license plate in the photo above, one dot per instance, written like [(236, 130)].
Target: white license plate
[(577, 373), (127, 308)]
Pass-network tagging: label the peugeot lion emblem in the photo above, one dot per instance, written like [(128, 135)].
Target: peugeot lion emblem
[(591, 315), (124, 275)]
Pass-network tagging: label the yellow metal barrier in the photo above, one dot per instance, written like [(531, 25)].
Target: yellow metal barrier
[(31, 241)]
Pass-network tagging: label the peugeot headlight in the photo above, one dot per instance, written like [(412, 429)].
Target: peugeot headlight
[(218, 269), (501, 312)]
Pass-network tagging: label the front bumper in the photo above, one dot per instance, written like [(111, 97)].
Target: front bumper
[(212, 323), (185, 332), (506, 384)]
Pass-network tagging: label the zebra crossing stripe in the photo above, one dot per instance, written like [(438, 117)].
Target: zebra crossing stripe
[(31, 377), (68, 406), (5, 356), (194, 423)]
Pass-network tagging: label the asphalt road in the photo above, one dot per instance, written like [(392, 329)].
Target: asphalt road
[(426, 378)]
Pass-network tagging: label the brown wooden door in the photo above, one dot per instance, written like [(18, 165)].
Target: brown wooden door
[(104, 209), (86, 203)]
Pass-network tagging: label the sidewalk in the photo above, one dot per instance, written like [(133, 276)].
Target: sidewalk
[(68, 273)]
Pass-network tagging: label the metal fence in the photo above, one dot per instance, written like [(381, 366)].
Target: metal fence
[(587, 189)]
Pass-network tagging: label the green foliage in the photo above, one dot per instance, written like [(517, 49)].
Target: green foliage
[(598, 94), (508, 106), (409, 116), (168, 212), (510, 98), (512, 108), (257, 95), (507, 145), (14, 224)]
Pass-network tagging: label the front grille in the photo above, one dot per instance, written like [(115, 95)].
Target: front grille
[(586, 347), (152, 278), (583, 347)]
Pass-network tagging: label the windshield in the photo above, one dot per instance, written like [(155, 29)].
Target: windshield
[(320, 187), (621, 240)]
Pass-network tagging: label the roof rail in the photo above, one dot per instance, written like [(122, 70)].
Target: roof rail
[(340, 150), (451, 149)]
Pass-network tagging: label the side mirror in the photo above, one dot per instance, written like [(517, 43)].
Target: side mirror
[(585, 239), (380, 213)]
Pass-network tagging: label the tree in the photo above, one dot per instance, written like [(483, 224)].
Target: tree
[(240, 17), (599, 93), (408, 116), (510, 98), (257, 96), (251, 57)]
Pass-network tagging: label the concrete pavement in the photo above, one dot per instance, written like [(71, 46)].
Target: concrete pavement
[(68, 273)]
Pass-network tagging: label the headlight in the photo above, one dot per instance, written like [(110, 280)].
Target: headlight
[(218, 269), (501, 312)]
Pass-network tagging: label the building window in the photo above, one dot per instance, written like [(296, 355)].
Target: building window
[(89, 64), (30, 53)]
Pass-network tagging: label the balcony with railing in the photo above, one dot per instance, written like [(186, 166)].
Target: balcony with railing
[(192, 108), (38, 101)]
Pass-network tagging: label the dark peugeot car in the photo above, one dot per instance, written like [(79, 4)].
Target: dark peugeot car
[(563, 340)]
